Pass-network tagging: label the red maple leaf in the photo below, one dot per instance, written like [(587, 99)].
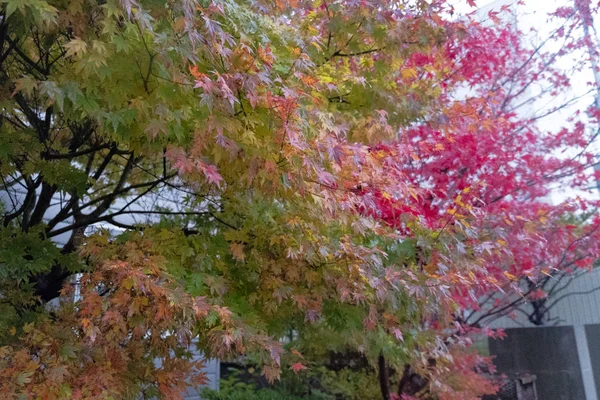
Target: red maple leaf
[(297, 367)]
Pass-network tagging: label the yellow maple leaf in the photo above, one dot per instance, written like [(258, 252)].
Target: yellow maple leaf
[(510, 276), (237, 251), (408, 73)]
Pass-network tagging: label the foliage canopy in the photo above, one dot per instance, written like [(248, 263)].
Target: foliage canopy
[(350, 174)]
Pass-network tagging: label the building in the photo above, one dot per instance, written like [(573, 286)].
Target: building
[(564, 354)]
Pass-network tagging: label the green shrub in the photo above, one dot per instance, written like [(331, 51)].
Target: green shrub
[(318, 383), (244, 391)]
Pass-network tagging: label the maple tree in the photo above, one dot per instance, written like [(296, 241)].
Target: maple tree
[(305, 168), (570, 38)]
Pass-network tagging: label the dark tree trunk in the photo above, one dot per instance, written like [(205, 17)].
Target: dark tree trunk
[(537, 317), (49, 285), (411, 382), (384, 377), (404, 379)]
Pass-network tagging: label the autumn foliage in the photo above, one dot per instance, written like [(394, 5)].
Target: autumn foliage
[(131, 313), (348, 175)]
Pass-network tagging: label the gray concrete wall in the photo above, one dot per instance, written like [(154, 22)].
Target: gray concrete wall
[(592, 333), (550, 353)]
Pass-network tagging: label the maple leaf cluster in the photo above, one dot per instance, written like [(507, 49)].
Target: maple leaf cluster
[(131, 330), (353, 175)]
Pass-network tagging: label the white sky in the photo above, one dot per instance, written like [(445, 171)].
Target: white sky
[(533, 14)]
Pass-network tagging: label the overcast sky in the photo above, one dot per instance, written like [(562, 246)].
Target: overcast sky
[(533, 14)]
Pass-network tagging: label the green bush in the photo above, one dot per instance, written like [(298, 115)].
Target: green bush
[(346, 384), (314, 384), (244, 391)]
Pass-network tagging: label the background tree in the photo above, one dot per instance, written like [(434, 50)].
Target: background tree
[(464, 177), (572, 39)]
